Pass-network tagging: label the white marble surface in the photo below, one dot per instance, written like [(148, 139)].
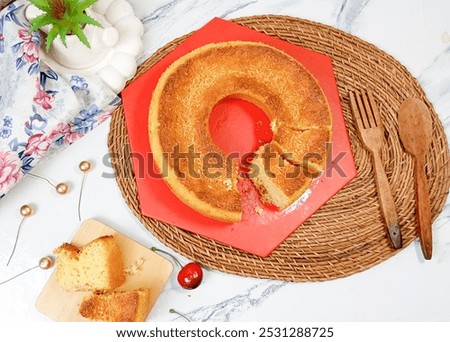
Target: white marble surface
[(403, 288)]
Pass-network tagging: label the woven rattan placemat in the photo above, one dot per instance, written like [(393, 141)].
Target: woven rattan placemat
[(347, 234)]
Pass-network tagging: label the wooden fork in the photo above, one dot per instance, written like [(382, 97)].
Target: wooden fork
[(371, 132)]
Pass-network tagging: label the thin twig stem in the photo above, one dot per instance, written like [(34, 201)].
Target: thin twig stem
[(154, 249), (15, 242), (41, 177), (179, 314), (18, 275), (79, 198)]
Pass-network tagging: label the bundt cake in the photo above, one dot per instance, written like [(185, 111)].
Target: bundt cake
[(179, 113)]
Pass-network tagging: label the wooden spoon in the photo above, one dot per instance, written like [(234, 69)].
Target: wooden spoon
[(415, 128)]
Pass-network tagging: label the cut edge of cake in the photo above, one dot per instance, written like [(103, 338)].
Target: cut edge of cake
[(98, 266)]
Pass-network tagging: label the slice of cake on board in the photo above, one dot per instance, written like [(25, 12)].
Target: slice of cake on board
[(124, 306), (98, 266), (143, 268)]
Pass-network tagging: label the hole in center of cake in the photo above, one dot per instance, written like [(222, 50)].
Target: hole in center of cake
[(237, 125)]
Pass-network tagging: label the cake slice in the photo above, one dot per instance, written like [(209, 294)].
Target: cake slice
[(279, 182), (125, 306), (98, 266)]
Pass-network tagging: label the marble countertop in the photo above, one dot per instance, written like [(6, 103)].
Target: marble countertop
[(403, 288)]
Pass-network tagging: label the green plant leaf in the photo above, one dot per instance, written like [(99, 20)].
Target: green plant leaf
[(43, 5), (70, 5), (81, 36), (41, 21), (52, 34), (64, 22), (69, 17), (85, 19), (63, 33)]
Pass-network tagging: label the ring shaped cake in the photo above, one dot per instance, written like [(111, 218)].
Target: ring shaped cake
[(196, 170)]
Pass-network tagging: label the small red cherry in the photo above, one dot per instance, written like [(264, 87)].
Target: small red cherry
[(190, 276)]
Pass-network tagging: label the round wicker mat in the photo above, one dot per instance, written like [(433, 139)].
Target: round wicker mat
[(347, 234)]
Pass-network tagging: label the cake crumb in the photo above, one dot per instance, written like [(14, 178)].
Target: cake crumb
[(445, 37), (259, 210), (273, 125), (136, 267), (228, 184)]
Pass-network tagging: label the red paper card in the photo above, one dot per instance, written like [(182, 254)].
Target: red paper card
[(257, 233)]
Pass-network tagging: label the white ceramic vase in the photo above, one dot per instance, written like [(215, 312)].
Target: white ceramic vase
[(77, 55)]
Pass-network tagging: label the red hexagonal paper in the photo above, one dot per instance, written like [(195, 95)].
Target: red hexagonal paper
[(239, 124)]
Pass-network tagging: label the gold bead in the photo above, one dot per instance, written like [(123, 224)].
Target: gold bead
[(45, 263), (62, 188), (26, 210), (85, 166)]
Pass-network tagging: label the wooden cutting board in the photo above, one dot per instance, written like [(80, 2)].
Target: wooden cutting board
[(154, 272)]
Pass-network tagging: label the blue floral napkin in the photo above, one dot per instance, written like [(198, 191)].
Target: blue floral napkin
[(41, 112)]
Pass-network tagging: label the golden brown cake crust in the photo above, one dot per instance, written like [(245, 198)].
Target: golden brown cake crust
[(123, 306), (117, 307), (189, 89), (305, 146)]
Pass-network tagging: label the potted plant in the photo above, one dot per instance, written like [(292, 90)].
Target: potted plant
[(88, 37), (66, 17), (76, 36)]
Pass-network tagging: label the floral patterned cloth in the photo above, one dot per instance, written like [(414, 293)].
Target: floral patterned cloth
[(41, 112)]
